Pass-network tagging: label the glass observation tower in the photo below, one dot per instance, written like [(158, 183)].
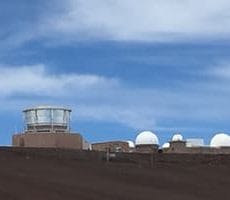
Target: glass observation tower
[(47, 119)]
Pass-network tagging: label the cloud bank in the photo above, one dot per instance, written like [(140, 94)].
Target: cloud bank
[(35, 80), (124, 20), (104, 99), (148, 20)]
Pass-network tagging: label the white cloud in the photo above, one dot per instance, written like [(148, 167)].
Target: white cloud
[(136, 118), (34, 80), (99, 98), (93, 96), (154, 20), (125, 20), (221, 71)]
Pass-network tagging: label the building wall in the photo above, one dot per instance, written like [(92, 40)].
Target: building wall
[(180, 147), (114, 146), (147, 148), (48, 140), (177, 147), (209, 150)]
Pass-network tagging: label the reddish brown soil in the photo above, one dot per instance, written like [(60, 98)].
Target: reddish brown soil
[(45, 178)]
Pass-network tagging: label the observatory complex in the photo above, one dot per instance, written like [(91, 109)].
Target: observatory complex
[(48, 126), (220, 144), (148, 142)]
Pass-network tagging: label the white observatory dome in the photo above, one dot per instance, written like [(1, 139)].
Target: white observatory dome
[(147, 137), (177, 137), (166, 145), (220, 140), (131, 144)]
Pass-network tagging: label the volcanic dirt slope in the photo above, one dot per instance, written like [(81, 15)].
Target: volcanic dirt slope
[(24, 177)]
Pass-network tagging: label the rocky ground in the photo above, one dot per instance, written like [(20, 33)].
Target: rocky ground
[(26, 177)]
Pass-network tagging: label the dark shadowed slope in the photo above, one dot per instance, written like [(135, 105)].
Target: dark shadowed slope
[(24, 177)]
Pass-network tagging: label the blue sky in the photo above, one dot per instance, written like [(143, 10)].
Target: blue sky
[(122, 66)]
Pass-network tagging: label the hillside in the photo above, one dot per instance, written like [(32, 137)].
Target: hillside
[(45, 175)]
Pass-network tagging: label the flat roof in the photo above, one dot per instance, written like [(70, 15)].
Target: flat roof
[(47, 107)]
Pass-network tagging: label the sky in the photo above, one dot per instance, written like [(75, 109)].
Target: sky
[(122, 66)]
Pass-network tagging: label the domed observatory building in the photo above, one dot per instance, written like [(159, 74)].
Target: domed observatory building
[(131, 146), (177, 144), (177, 137), (47, 126), (147, 142), (166, 145), (220, 140), (220, 143)]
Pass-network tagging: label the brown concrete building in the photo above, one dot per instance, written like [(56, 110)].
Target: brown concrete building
[(49, 127), (146, 148), (181, 148), (113, 146), (177, 147), (48, 140)]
